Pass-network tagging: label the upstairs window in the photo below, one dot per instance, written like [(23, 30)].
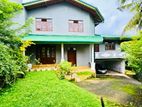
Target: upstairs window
[(109, 46), (43, 24), (75, 25)]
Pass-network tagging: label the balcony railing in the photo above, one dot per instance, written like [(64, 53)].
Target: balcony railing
[(109, 55)]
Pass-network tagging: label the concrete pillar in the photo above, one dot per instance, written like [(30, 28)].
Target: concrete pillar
[(123, 66), (62, 52), (24, 53), (92, 58)]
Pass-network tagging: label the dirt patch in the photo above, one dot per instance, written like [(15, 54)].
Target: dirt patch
[(122, 90)]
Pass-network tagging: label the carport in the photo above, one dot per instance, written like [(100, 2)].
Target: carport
[(117, 65)]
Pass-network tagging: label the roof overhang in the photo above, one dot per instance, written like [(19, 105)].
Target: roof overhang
[(115, 37), (67, 39), (78, 3)]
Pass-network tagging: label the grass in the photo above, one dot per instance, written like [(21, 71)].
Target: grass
[(129, 89), (129, 72), (44, 89), (85, 73)]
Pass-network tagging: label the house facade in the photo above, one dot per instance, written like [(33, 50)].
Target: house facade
[(65, 30)]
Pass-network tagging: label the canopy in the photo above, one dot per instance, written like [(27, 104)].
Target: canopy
[(68, 39)]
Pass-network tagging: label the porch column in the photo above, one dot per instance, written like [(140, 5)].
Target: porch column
[(24, 53), (92, 58), (62, 52)]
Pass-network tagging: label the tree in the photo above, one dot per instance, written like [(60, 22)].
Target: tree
[(134, 6), (133, 48), (11, 59), (133, 51)]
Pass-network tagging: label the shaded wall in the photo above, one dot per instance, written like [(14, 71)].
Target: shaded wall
[(61, 13), (83, 53)]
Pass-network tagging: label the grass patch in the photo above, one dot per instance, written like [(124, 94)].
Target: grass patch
[(129, 72), (130, 89), (125, 87), (44, 89), (84, 73)]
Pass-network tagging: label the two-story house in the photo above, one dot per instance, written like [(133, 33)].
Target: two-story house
[(65, 30)]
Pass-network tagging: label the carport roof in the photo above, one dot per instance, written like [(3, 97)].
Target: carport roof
[(114, 37)]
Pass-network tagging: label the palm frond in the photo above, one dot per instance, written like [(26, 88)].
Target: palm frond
[(134, 6), (126, 6), (133, 23), (123, 1)]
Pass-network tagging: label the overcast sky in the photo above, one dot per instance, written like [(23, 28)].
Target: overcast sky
[(115, 20)]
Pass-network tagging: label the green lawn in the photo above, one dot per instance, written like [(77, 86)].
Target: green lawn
[(44, 89)]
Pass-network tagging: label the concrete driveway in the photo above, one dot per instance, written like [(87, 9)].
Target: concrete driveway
[(117, 88)]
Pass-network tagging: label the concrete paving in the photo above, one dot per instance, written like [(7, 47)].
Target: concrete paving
[(115, 87)]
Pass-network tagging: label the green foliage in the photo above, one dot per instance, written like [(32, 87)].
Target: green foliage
[(12, 60), (138, 76), (134, 6), (10, 63), (44, 89), (7, 68), (65, 68), (8, 9), (133, 51)]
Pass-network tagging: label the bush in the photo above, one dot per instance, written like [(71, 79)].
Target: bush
[(138, 76), (10, 63), (65, 68)]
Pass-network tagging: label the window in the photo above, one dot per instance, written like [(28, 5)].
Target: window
[(109, 46), (43, 24), (75, 25), (96, 48)]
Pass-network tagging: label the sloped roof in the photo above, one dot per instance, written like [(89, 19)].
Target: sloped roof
[(78, 3)]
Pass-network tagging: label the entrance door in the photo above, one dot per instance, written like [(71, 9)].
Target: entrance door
[(46, 54), (72, 55)]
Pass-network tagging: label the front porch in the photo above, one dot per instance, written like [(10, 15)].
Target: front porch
[(49, 55), (52, 49)]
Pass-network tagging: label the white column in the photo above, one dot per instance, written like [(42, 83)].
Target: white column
[(24, 53), (62, 52), (92, 52), (123, 66), (92, 58)]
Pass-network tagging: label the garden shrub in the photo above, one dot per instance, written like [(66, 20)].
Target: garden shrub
[(10, 63), (138, 76), (11, 57), (65, 68)]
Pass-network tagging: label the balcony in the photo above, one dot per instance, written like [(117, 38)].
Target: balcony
[(109, 55)]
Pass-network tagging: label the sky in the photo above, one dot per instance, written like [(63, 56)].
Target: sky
[(115, 20)]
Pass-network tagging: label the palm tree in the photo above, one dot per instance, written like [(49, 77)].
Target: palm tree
[(134, 6)]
